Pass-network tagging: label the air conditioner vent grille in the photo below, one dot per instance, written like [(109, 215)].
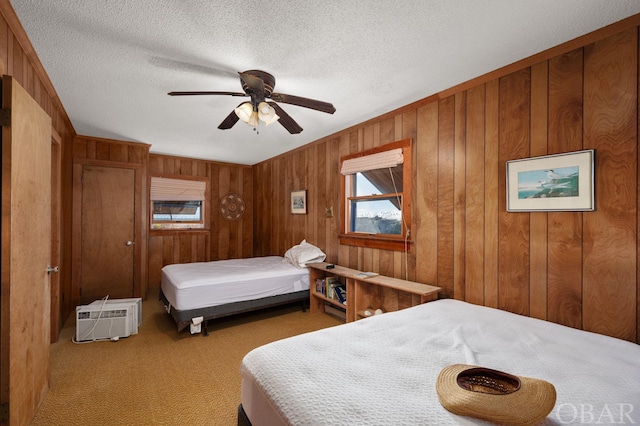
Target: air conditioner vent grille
[(116, 313)]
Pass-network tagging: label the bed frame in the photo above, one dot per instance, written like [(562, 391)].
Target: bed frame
[(243, 420), (183, 318)]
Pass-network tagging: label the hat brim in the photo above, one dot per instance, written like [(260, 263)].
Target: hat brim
[(529, 404)]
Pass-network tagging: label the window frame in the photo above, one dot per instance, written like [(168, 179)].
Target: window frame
[(379, 241), (183, 226)]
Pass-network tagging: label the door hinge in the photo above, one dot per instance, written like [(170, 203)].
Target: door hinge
[(5, 117), (4, 412)]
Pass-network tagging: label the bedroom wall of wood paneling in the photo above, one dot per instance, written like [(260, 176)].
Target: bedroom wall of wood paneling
[(225, 239), (578, 269), (574, 268)]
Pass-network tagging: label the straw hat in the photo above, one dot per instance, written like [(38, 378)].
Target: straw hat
[(469, 390)]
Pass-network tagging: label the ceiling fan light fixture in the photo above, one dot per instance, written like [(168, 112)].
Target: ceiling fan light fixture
[(272, 119), (266, 113), (253, 120), (244, 112)]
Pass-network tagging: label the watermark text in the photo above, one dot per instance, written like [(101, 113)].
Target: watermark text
[(604, 414)]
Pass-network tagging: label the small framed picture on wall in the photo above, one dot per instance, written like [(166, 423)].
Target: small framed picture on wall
[(559, 182), (299, 202)]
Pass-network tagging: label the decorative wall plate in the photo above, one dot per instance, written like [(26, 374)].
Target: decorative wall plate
[(232, 206)]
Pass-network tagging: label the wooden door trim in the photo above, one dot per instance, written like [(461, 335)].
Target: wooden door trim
[(56, 233), (5, 262), (106, 163), (55, 136)]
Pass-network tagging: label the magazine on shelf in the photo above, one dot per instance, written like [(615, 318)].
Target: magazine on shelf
[(366, 274)]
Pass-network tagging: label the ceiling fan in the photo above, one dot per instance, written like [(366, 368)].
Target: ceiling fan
[(258, 85)]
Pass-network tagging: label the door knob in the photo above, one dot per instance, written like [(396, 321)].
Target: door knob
[(51, 269), (130, 243)]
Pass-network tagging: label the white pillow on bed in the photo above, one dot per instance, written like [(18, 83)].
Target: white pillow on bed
[(304, 253)]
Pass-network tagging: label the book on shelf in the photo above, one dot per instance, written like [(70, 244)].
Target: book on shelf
[(325, 286), (330, 283), (341, 293), (366, 274)]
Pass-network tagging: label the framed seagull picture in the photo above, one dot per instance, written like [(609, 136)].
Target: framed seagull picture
[(560, 182)]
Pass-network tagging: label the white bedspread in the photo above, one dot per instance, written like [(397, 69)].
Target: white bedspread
[(382, 370), (201, 284)]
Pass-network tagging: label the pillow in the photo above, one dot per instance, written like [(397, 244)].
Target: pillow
[(304, 253)]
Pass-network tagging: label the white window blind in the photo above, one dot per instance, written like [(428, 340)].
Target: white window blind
[(380, 160), (166, 189)]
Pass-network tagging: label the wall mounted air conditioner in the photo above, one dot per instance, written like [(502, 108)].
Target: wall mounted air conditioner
[(108, 319)]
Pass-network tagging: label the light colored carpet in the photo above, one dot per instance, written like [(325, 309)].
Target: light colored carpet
[(160, 376)]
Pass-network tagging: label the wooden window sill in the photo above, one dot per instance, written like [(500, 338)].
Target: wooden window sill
[(375, 242)]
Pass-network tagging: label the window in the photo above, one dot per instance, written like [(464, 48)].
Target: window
[(177, 203), (376, 197)]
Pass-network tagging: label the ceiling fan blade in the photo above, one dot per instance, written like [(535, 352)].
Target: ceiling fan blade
[(229, 121), (252, 82), (304, 102), (205, 93), (286, 120)]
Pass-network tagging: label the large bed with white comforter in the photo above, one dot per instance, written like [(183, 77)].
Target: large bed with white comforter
[(382, 370)]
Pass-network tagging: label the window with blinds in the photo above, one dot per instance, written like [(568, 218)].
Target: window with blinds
[(376, 196), (177, 203)]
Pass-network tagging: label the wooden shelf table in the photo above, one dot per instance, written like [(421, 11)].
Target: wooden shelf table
[(367, 293)]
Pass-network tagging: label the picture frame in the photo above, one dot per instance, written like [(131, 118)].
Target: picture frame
[(559, 182), (299, 202)]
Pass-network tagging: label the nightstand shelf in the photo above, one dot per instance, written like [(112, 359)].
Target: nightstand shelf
[(367, 293)]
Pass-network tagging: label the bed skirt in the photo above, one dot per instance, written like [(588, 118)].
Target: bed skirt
[(183, 318)]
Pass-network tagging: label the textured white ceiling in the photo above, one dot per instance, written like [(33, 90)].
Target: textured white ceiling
[(112, 62)]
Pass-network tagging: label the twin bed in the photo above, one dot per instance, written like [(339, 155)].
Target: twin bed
[(194, 293), (383, 370)]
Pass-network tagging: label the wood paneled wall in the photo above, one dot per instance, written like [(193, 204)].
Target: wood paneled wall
[(574, 268), (578, 269), (225, 239)]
